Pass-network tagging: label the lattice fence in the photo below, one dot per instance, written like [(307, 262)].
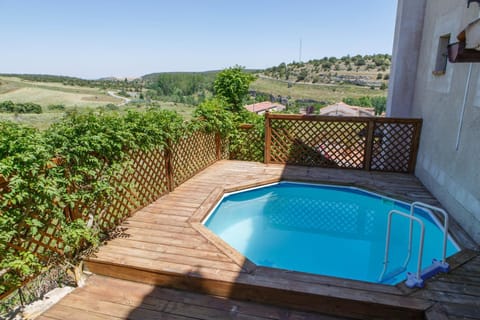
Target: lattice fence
[(396, 148), (193, 154), (249, 144), (144, 183), (151, 174), (382, 144)]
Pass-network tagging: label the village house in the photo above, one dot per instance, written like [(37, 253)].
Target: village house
[(262, 107), (341, 109)]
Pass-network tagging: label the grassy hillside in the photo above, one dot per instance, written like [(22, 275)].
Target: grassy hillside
[(325, 81), (369, 70), (318, 92)]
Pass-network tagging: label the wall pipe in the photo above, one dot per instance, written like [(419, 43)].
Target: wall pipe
[(462, 114)]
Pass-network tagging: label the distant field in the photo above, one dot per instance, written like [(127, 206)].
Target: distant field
[(44, 120), (319, 92), (39, 121), (45, 94), (75, 99)]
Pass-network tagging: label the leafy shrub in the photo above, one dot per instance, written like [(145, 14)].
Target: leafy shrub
[(28, 107), (111, 106), (215, 117), (59, 176), (30, 201), (244, 143), (60, 107)]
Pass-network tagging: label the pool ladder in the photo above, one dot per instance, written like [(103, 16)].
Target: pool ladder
[(416, 279)]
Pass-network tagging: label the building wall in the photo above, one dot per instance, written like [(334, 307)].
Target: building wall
[(449, 156), (406, 48)]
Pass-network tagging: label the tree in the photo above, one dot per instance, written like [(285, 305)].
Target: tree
[(380, 104), (232, 85), (360, 62), (302, 75)]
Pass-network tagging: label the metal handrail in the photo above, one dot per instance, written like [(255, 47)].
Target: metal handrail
[(418, 204), (387, 241), (412, 218)]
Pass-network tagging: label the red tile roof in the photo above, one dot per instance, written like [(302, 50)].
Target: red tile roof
[(264, 106)]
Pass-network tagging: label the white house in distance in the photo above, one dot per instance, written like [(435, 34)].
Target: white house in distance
[(341, 109), (262, 107), (446, 95)]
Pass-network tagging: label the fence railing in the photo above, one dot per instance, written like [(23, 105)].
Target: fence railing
[(380, 144)]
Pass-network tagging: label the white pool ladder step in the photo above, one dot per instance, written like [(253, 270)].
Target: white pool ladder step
[(416, 279)]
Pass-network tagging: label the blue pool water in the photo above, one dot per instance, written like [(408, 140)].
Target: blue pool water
[(334, 231)]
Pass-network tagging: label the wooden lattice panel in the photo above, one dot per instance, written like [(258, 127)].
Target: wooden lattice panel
[(44, 245), (152, 174), (143, 184), (318, 143), (384, 144), (249, 145), (394, 147), (191, 155)]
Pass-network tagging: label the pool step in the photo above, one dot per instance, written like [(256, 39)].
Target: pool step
[(435, 268)]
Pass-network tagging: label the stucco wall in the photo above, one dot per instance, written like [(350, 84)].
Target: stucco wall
[(406, 47), (448, 166)]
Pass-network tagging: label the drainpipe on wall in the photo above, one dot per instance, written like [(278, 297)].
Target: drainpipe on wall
[(464, 104)]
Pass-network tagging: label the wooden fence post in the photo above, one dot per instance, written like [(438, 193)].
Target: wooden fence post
[(169, 166), (370, 138), (268, 138), (415, 145), (218, 146)]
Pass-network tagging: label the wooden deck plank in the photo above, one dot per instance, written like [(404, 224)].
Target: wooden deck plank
[(208, 255), (161, 245), (132, 300), (159, 219), (330, 281), (132, 230), (163, 266), (62, 312), (199, 260), (462, 310), (170, 241), (127, 289), (144, 225), (91, 303), (281, 292)]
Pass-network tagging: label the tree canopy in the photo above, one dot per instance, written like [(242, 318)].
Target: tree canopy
[(232, 85)]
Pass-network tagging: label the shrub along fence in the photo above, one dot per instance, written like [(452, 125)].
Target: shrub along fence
[(72, 203)]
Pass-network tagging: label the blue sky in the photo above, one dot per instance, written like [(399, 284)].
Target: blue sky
[(128, 38)]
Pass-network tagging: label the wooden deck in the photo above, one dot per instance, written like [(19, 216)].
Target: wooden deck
[(138, 301), (165, 245)]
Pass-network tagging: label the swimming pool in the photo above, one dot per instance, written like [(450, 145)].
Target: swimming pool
[(326, 230)]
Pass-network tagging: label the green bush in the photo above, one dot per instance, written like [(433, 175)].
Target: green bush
[(28, 107), (60, 107), (61, 175)]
